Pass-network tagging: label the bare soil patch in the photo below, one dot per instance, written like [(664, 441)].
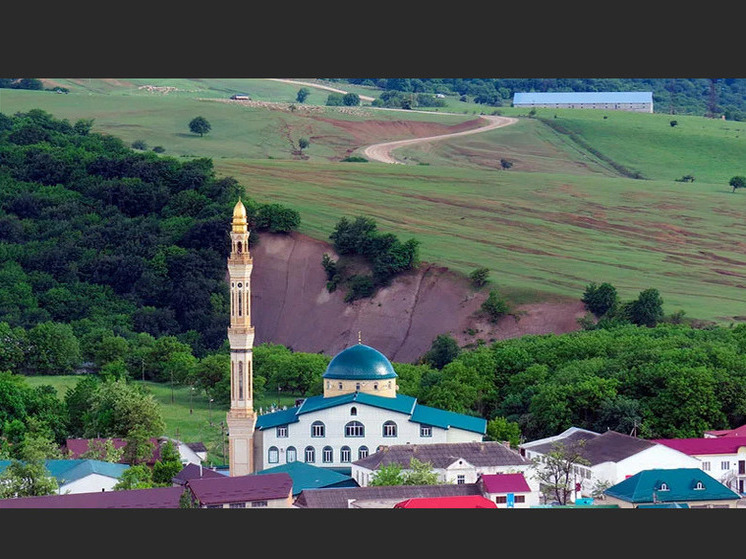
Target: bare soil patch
[(291, 306)]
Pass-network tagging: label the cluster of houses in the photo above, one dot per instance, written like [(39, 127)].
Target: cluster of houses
[(617, 471)]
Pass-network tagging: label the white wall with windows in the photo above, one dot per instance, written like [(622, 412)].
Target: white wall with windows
[(337, 436), (729, 469)]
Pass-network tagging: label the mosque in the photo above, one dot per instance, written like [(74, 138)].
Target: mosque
[(359, 411)]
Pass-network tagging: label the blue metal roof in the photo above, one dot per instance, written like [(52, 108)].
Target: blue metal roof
[(401, 404), (562, 97)]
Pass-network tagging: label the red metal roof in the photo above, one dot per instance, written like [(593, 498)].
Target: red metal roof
[(505, 483), (705, 445), (456, 502), (154, 498)]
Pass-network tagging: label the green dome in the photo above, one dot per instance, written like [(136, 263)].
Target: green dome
[(359, 362)]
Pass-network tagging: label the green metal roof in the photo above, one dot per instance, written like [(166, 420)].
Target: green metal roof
[(446, 419), (680, 485), (359, 362), (307, 476), (400, 403)]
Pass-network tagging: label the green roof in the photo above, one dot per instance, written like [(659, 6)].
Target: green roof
[(400, 403), (680, 485), (359, 362), (307, 476)]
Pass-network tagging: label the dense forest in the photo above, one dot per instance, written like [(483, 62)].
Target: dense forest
[(703, 97)]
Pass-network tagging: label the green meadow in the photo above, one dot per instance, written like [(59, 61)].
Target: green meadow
[(560, 217)]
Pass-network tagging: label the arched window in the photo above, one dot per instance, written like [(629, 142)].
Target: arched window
[(239, 246), (699, 485), (310, 454), (327, 455), (362, 452), (273, 455), (318, 429), (389, 429), (240, 298), (354, 429), (664, 487), (345, 454), (291, 455), (375, 386), (339, 386), (353, 411)]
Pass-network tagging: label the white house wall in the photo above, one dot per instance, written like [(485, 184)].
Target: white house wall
[(90, 484), (335, 419), (655, 457)]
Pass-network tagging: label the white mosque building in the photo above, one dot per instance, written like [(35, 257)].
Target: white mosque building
[(359, 410)]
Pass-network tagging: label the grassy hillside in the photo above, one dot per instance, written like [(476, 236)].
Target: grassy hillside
[(560, 218)]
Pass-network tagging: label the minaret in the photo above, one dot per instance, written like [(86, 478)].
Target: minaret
[(241, 417)]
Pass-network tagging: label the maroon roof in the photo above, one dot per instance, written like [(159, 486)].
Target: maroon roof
[(456, 502), (505, 483), (241, 489), (705, 445), (194, 471), (154, 498), (737, 432)]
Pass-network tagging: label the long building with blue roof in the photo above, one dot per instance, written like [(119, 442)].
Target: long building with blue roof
[(359, 411), (636, 101)]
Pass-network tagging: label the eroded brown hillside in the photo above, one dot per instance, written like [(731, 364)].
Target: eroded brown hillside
[(291, 306)]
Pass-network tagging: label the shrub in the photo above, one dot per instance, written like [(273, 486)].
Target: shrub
[(359, 287), (479, 276), (139, 144), (495, 306), (355, 159), (599, 299)]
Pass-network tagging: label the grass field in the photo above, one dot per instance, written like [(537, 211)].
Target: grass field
[(189, 418), (560, 218)]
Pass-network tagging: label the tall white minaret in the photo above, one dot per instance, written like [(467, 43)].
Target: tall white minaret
[(241, 417)]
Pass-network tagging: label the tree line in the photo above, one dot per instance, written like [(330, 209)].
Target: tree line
[(696, 96)]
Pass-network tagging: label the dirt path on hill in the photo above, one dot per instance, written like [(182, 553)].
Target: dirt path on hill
[(317, 86), (383, 152)]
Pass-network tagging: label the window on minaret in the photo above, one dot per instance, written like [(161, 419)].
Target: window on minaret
[(240, 380), (233, 372), (239, 246), (240, 299)]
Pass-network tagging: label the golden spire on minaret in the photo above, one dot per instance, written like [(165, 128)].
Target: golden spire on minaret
[(359, 337), (239, 218)]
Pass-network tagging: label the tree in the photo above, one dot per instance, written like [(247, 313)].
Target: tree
[(494, 306), (103, 450), (303, 93), (303, 143), (737, 182), (26, 479), (599, 299), (556, 472), (419, 473), (55, 349), (334, 100), (443, 350), (500, 429), (199, 125), (647, 309), (187, 500), (673, 123), (351, 99), (135, 477), (390, 474), (479, 276), (168, 465)]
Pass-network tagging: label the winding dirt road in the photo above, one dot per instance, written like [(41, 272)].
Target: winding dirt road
[(383, 152)]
